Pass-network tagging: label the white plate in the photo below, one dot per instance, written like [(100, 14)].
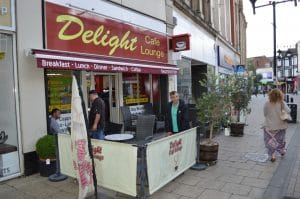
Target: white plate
[(119, 137)]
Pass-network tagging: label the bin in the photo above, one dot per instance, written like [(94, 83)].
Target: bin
[(293, 113)]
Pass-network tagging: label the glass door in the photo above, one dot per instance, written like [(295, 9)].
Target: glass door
[(107, 87)]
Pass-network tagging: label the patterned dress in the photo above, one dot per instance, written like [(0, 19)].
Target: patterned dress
[(274, 140)]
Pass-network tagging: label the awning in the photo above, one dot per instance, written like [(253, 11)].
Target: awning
[(52, 59), (266, 81)]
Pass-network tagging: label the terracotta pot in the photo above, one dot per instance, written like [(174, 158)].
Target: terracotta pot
[(237, 129)]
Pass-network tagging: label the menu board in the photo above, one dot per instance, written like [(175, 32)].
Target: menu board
[(134, 88), (60, 92)]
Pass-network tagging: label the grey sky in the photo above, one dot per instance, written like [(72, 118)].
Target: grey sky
[(260, 27)]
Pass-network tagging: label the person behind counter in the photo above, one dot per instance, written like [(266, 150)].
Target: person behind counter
[(54, 126)]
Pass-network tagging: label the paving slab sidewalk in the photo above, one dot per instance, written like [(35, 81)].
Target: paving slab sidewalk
[(232, 177)]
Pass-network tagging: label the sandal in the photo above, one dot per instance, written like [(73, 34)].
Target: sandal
[(273, 159), (283, 152)]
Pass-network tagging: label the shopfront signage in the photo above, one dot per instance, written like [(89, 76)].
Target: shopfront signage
[(240, 70), (180, 42), (99, 67), (7, 15), (74, 31), (227, 58)]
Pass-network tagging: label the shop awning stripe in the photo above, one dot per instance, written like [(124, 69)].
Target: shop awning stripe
[(98, 61)]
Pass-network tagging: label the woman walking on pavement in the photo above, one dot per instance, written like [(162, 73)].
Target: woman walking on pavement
[(274, 126)]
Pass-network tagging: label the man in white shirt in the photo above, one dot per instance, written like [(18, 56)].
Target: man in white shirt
[(54, 126)]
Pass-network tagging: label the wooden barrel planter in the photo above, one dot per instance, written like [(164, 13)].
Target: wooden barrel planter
[(237, 129), (209, 152)]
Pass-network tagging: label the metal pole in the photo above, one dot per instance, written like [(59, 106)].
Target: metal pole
[(274, 43), (57, 176)]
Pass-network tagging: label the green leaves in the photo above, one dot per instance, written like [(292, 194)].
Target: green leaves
[(45, 147), (241, 93), (222, 95), (214, 105)]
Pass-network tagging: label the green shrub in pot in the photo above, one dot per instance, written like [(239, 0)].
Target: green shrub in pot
[(212, 109), (45, 149)]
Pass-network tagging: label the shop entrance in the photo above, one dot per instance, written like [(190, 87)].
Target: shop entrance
[(107, 87)]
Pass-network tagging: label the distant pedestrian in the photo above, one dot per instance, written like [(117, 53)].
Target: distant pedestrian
[(177, 116), (96, 116), (264, 92), (295, 91), (274, 126), (54, 126), (255, 92)]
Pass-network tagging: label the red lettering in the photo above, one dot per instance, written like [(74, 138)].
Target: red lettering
[(81, 145), (175, 146), (85, 173)]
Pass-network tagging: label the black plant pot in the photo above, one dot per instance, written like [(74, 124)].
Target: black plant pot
[(47, 169), (237, 129)]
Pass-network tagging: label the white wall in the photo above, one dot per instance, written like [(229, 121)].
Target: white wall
[(154, 8), (31, 78), (202, 43)]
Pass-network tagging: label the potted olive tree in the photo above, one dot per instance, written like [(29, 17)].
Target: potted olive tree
[(45, 149), (241, 91), (212, 108)]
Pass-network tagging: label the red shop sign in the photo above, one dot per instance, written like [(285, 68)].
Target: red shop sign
[(70, 30), (180, 42)]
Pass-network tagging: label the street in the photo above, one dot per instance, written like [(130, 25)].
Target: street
[(233, 177)]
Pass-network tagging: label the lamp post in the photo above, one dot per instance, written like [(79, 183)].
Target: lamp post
[(280, 64), (273, 4)]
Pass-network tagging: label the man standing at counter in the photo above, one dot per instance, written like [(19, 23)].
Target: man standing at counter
[(96, 116), (177, 115)]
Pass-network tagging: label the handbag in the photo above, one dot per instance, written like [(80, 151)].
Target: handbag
[(284, 115)]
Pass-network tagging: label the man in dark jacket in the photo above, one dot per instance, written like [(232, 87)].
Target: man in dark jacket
[(177, 115), (96, 116)]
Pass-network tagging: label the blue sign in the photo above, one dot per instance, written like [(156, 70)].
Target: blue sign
[(240, 69)]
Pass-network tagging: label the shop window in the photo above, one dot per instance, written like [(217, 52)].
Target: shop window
[(136, 89), (59, 94), (9, 157), (184, 80)]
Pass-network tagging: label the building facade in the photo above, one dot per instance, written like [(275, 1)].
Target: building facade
[(287, 69), (218, 41), (10, 138), (119, 48)]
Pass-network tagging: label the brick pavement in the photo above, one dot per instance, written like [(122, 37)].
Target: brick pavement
[(232, 177)]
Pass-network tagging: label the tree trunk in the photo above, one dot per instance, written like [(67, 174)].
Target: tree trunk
[(211, 128), (238, 115)]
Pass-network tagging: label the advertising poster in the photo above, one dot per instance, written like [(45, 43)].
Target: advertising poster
[(169, 157)]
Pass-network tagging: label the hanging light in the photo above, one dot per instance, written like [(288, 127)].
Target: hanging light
[(253, 5)]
